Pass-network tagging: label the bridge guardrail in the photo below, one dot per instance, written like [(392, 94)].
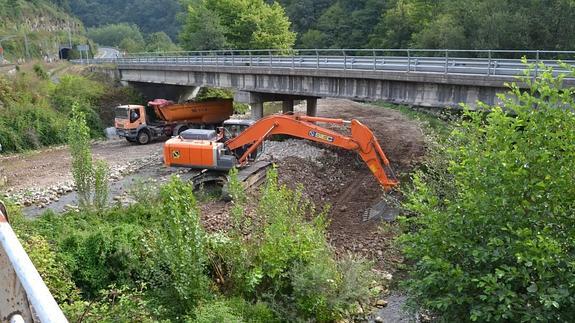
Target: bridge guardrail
[(23, 295), (473, 62)]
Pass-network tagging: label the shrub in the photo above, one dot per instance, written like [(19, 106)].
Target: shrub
[(181, 241), (498, 246), (282, 258), (91, 179), (82, 167)]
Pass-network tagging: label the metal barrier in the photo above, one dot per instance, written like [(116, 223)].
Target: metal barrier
[(492, 63), (23, 295)]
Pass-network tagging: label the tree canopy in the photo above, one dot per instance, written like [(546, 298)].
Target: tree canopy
[(238, 24)]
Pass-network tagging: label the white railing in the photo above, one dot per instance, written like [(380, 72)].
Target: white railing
[(493, 63), (23, 295)]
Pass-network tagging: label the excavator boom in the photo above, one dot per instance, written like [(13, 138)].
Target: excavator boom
[(362, 140)]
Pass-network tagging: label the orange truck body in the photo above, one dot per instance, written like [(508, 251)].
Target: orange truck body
[(139, 124)]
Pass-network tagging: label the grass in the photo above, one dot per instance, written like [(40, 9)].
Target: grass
[(437, 123)]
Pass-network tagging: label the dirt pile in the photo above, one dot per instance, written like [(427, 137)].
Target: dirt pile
[(340, 179)]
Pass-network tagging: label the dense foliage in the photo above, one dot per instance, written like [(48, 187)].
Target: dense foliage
[(34, 111), (494, 235), (238, 24), (154, 260), (34, 29), (149, 15), (129, 38)]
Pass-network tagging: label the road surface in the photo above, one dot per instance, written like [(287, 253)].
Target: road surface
[(108, 52)]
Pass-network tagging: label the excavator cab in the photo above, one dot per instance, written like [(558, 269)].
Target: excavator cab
[(234, 127)]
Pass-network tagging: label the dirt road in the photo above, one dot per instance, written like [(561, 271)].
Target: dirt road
[(49, 167)]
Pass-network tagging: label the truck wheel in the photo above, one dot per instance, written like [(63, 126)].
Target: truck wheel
[(143, 137)]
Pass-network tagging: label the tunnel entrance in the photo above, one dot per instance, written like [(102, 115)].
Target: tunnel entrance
[(64, 52)]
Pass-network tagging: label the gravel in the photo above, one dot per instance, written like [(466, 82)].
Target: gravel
[(280, 150), (42, 197)]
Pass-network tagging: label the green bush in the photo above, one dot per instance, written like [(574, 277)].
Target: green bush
[(497, 243), (181, 243), (286, 261)]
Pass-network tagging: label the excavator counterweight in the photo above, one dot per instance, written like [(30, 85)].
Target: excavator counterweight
[(211, 153)]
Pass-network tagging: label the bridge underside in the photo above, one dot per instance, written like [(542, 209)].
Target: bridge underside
[(417, 89)]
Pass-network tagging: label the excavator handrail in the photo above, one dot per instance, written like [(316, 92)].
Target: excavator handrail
[(362, 140)]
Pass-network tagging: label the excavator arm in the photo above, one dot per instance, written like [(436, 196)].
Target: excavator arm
[(361, 140)]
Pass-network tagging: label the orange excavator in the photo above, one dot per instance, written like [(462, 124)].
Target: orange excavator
[(208, 149)]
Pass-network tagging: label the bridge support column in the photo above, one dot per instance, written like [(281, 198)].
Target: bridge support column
[(287, 106), (257, 110), (312, 107)]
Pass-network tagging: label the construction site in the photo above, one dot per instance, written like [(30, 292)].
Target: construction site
[(329, 176)]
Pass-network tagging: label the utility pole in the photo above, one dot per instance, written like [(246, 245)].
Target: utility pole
[(26, 46), (70, 36)]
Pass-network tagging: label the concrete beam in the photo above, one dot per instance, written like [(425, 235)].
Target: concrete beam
[(253, 88)]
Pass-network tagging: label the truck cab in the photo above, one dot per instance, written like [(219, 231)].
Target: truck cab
[(129, 121)]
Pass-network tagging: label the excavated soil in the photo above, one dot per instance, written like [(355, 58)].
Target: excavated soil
[(343, 181)]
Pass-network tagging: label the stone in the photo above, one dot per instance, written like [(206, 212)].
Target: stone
[(378, 319), (381, 303)]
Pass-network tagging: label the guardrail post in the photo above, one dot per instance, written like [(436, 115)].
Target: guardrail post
[(408, 61), (233, 59), (202, 58), (446, 61), (217, 59), (293, 60), (344, 60), (374, 60), (250, 55), (489, 63), (536, 64), (317, 59), (271, 60)]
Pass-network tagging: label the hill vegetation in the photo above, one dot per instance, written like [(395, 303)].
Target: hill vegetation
[(35, 29)]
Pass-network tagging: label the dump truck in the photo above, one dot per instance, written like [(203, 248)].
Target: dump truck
[(164, 118), (219, 151)]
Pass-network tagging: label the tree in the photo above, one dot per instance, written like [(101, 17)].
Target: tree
[(203, 30), (160, 42), (114, 35), (494, 235), (243, 24)]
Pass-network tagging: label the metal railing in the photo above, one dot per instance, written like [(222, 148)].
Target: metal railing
[(438, 61), (17, 272)]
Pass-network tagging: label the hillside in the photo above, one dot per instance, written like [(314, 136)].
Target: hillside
[(150, 15), (42, 24)]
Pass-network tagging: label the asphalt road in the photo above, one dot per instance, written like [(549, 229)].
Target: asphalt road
[(108, 52)]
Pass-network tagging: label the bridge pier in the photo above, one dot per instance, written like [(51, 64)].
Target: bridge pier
[(311, 107), (257, 110), (256, 101), (287, 106)]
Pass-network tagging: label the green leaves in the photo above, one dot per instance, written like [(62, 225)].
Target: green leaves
[(501, 245), (237, 24)]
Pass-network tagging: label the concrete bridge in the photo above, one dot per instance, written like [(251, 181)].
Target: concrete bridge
[(428, 78)]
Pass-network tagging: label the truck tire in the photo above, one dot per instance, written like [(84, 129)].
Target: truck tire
[(144, 137)]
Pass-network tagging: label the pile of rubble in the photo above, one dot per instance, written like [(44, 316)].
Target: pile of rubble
[(280, 150)]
